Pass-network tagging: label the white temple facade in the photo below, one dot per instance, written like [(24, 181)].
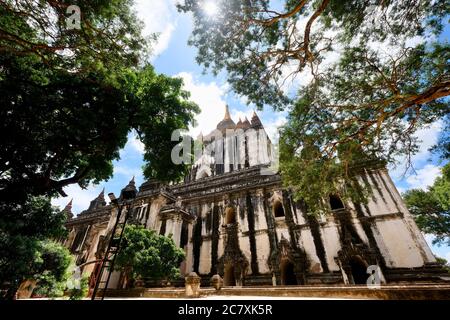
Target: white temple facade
[(235, 221)]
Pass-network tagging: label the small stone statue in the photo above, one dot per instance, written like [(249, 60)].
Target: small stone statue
[(192, 285), (178, 202), (217, 282)]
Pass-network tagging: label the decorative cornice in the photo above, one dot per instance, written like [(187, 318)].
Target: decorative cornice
[(235, 181)]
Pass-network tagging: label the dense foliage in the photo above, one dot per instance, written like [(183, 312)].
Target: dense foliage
[(145, 254), (357, 77), (70, 98), (431, 208), (23, 232), (53, 270)]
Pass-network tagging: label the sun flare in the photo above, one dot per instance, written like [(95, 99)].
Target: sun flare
[(210, 8)]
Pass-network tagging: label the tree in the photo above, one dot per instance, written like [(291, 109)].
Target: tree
[(70, 97), (444, 263), (52, 269), (146, 254), (107, 38), (23, 230), (27, 254), (81, 126), (365, 76), (431, 208)]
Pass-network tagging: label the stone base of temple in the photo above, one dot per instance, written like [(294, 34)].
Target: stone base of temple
[(385, 292), (430, 273)]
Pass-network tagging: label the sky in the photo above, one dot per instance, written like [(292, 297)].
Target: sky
[(172, 56)]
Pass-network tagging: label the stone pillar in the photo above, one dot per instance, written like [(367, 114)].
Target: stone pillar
[(192, 285), (189, 250), (176, 230)]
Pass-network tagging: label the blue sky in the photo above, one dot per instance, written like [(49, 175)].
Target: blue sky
[(172, 56)]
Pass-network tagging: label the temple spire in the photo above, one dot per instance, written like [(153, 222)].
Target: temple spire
[(227, 113), (69, 205), (239, 124), (68, 210), (227, 122), (99, 201), (129, 191), (102, 194), (256, 122), (246, 124)]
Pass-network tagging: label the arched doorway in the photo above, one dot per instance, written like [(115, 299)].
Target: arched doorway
[(278, 209), (230, 216), (358, 269), (228, 277), (288, 277)]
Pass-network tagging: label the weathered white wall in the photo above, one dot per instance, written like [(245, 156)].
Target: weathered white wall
[(330, 237), (263, 252), (306, 242), (205, 257)]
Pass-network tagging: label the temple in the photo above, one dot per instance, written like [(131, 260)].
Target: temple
[(234, 221)]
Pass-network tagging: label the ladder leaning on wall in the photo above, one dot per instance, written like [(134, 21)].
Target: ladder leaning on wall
[(124, 202), (109, 258)]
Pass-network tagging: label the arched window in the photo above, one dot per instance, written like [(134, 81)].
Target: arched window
[(278, 209), (336, 202), (230, 216), (80, 237)]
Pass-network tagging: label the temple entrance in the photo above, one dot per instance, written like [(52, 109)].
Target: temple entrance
[(230, 216), (228, 277), (358, 269), (278, 209), (288, 277)]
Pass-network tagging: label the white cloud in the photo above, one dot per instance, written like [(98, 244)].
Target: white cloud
[(424, 178), (401, 190), (159, 17), (134, 148), (81, 198), (209, 97), (427, 137), (272, 127), (442, 251), (237, 114), (163, 40), (136, 144), (128, 166), (128, 171), (429, 239)]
